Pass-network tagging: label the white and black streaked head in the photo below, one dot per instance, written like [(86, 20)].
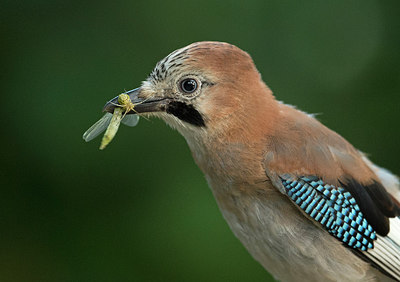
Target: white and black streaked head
[(194, 87)]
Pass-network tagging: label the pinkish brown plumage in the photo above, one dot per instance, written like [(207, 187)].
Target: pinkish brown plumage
[(305, 203)]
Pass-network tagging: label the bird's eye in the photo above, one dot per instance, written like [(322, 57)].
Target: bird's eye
[(188, 85)]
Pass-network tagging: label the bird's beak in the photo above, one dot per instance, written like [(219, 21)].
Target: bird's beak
[(142, 105)]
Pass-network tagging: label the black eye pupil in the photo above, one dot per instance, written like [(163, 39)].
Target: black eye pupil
[(189, 85)]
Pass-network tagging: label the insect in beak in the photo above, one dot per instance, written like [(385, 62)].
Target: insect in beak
[(112, 121)]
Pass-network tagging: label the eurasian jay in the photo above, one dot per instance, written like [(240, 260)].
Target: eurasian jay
[(304, 202)]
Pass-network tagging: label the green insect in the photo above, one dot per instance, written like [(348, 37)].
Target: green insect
[(111, 122)]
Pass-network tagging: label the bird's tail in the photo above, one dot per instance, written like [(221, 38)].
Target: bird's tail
[(386, 252)]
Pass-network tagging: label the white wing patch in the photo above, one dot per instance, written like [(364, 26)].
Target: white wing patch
[(386, 251)]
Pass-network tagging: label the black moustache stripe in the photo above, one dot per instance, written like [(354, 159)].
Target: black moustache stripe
[(185, 113)]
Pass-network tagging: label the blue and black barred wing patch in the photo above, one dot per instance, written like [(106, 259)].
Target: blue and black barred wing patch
[(333, 207)]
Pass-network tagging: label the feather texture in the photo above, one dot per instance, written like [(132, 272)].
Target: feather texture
[(339, 213), (386, 252), (333, 207)]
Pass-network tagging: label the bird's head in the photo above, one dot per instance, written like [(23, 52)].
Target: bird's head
[(203, 87)]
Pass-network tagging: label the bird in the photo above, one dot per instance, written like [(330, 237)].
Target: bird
[(304, 202)]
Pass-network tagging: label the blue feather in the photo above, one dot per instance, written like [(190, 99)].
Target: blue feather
[(333, 207)]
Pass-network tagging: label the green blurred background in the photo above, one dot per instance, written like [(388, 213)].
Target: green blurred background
[(141, 210)]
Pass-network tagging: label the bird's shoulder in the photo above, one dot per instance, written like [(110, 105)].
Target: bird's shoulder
[(302, 145)]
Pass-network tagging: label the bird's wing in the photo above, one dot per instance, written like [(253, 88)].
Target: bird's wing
[(340, 211), (335, 186)]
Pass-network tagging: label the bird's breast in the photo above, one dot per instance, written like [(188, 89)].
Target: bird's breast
[(232, 163)]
